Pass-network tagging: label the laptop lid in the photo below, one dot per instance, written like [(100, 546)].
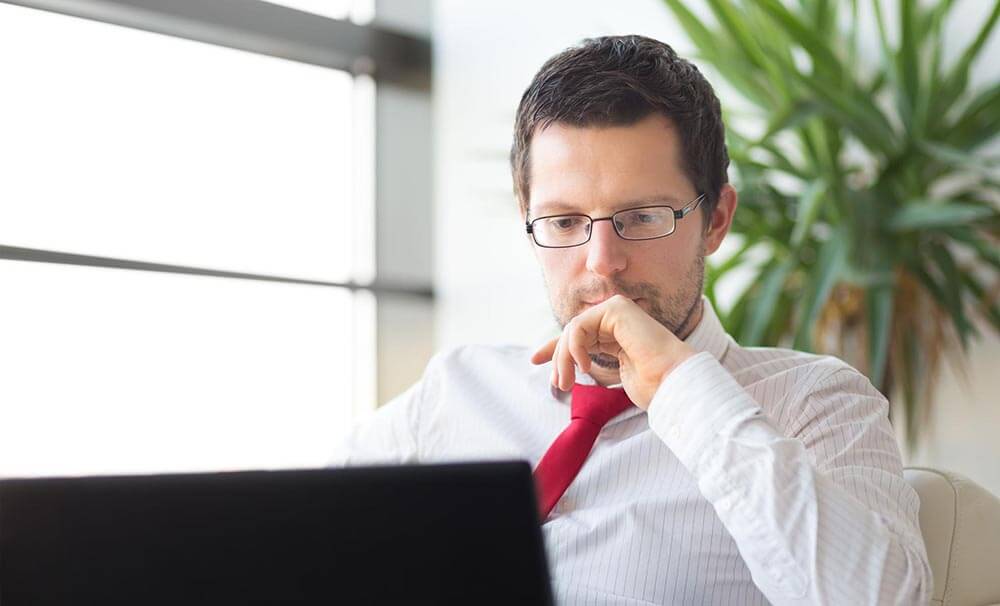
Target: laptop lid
[(436, 534)]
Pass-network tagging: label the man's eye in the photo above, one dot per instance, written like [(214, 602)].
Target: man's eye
[(565, 223)]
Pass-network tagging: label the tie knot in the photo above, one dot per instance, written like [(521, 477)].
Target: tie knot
[(597, 404)]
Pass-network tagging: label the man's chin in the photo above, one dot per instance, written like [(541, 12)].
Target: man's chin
[(605, 361)]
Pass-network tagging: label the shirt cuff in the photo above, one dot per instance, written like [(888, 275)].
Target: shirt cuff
[(696, 403)]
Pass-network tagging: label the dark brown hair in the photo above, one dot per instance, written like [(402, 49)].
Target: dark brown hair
[(617, 81)]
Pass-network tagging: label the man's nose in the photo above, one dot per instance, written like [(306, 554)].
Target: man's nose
[(605, 251)]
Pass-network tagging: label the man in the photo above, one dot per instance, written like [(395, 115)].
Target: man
[(730, 475)]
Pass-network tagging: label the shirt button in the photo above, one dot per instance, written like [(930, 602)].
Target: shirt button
[(674, 433)]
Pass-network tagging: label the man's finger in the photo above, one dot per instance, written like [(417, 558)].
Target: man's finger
[(544, 353), (564, 362), (578, 344), (555, 363)]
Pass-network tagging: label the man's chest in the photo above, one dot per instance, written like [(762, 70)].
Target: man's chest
[(632, 528)]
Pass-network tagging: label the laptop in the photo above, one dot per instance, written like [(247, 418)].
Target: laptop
[(417, 534)]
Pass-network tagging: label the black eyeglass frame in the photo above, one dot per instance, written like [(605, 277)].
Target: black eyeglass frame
[(688, 208)]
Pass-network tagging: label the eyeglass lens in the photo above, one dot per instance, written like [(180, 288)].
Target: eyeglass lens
[(632, 224)]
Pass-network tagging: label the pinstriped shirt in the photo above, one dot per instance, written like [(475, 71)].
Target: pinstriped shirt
[(757, 475)]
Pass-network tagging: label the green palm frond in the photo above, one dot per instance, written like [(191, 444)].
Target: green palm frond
[(887, 253)]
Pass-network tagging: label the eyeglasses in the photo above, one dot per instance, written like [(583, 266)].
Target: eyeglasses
[(643, 223)]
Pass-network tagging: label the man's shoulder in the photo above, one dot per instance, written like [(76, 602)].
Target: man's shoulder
[(756, 363), (477, 371), (476, 358), (796, 386), (799, 374), (474, 352)]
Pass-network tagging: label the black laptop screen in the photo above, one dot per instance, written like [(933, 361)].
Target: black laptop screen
[(436, 534)]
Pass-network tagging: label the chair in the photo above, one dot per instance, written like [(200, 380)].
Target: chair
[(960, 522)]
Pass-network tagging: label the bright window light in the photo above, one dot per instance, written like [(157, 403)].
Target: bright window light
[(122, 143), (119, 371)]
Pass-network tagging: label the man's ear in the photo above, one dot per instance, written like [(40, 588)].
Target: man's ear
[(721, 219)]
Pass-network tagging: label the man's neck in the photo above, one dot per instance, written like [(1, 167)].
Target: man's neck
[(611, 376)]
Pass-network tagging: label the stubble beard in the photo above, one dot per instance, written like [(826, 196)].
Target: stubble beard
[(676, 311)]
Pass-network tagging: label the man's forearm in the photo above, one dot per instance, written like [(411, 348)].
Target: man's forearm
[(843, 535)]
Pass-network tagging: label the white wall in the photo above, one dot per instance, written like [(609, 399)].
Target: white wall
[(489, 287), (403, 186), (965, 424)]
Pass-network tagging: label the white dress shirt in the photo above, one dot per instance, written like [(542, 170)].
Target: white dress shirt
[(758, 475)]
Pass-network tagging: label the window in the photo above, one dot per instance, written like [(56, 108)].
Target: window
[(116, 371), (128, 144), (243, 182)]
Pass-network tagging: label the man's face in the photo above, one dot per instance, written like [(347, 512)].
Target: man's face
[(598, 171)]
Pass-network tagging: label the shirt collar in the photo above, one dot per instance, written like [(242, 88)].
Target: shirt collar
[(709, 335)]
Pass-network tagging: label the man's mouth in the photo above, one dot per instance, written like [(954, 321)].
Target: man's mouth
[(599, 301)]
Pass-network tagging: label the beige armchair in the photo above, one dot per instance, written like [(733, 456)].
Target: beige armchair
[(960, 522)]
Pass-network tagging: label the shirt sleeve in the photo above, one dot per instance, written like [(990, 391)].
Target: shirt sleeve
[(821, 516)]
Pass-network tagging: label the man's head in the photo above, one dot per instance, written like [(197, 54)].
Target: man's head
[(613, 124)]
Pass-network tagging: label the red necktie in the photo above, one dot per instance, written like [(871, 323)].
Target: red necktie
[(592, 406)]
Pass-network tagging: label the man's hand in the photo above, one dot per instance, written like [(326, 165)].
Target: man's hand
[(645, 349)]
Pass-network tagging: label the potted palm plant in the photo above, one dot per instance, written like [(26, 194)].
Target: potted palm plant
[(869, 202)]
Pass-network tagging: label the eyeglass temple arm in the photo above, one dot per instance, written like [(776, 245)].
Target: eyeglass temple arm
[(690, 208)]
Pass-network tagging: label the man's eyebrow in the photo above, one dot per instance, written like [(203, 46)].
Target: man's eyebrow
[(552, 208), (558, 207)]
